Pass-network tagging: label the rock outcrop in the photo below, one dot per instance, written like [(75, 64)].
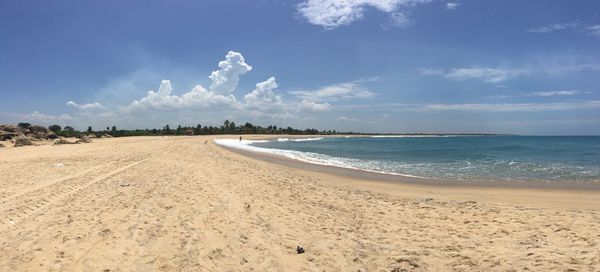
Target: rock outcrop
[(22, 141), (6, 135), (8, 132)]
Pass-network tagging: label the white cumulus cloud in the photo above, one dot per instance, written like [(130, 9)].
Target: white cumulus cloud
[(197, 98), (334, 13), (263, 101), (263, 98), (166, 103), (313, 106), (226, 79)]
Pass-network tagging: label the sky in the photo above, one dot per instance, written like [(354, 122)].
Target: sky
[(518, 67)]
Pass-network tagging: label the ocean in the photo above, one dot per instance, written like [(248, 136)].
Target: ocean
[(472, 158)]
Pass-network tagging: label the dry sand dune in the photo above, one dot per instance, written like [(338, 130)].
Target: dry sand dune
[(178, 204)]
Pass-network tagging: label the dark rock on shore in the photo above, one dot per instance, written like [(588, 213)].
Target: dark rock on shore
[(5, 135)]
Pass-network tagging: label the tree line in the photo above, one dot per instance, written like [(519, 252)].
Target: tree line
[(228, 127)]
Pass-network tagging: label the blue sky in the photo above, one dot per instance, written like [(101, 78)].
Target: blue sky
[(527, 67)]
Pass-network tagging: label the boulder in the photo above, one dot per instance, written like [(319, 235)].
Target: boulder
[(39, 135), (84, 139), (61, 141), (10, 128), (4, 135), (1, 145), (40, 132), (22, 141), (51, 135), (38, 129), (107, 136), (92, 136)]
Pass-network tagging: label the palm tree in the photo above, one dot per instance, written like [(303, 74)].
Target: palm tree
[(225, 125)]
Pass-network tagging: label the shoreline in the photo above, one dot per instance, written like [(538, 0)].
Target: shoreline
[(540, 197), (399, 178)]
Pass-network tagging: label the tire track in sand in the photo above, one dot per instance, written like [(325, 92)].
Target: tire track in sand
[(60, 180), (42, 198)]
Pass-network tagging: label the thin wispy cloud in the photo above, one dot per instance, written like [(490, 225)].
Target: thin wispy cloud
[(543, 94), (331, 14), (89, 106), (556, 93), (592, 30), (572, 67), (45, 118), (452, 5), (400, 19), (488, 75), (348, 90), (513, 107), (554, 27), (347, 119), (476, 107), (430, 71)]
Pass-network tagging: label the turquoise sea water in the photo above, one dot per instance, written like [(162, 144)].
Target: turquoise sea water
[(550, 158)]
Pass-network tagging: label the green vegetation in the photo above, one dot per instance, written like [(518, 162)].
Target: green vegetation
[(228, 127), (55, 128), (24, 125)]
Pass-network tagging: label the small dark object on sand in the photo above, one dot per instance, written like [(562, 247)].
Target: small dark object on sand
[(299, 249)]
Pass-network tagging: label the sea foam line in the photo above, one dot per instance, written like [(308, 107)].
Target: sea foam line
[(308, 157)]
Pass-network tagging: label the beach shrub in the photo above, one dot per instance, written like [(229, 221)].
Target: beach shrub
[(55, 128), (24, 125)]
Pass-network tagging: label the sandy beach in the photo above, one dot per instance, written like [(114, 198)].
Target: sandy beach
[(186, 204)]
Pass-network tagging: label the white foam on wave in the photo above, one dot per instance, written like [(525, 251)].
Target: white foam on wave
[(309, 157), (299, 139), (411, 136), (308, 139)]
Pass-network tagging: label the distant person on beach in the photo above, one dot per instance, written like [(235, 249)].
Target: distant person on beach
[(240, 138)]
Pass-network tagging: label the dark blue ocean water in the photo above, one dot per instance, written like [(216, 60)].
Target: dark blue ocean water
[(570, 158)]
